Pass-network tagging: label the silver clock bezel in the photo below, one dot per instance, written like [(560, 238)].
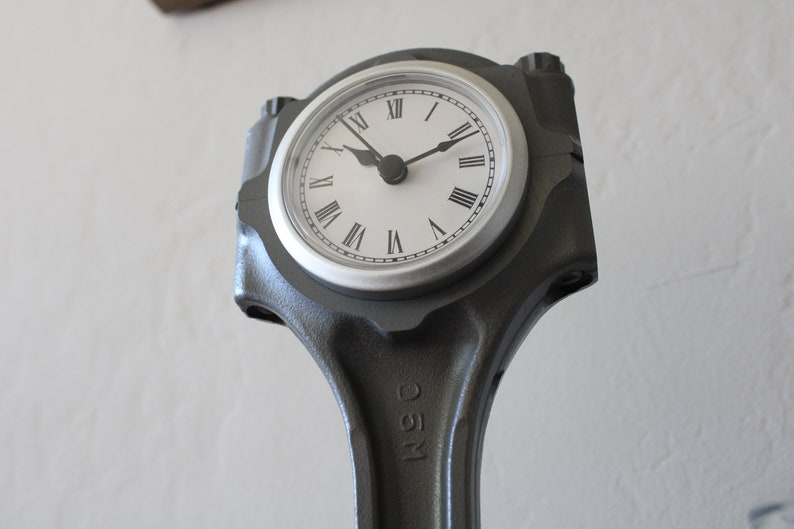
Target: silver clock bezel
[(428, 271)]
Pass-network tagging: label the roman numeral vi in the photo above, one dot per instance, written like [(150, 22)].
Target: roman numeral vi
[(394, 242)]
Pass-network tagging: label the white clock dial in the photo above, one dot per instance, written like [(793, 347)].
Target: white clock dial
[(398, 178)]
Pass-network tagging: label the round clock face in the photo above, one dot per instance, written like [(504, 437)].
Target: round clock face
[(398, 178)]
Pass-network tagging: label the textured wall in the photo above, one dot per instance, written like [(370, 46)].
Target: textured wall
[(133, 394)]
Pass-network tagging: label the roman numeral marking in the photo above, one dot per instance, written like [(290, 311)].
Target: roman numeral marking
[(321, 182), (395, 108), (471, 161), (431, 111), (458, 131), (327, 214), (437, 231), (463, 198), (326, 147), (394, 242), (354, 236), (358, 120)]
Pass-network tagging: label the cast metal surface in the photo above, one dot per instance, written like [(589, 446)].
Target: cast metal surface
[(415, 378)]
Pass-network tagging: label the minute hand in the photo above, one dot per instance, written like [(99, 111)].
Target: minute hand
[(441, 147)]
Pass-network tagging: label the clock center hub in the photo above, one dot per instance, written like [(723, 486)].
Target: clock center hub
[(392, 169)]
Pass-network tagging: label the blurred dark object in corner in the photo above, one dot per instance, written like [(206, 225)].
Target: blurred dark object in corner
[(169, 6)]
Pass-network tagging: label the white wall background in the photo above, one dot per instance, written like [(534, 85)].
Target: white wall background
[(134, 394)]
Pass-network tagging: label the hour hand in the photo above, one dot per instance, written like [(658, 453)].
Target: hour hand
[(364, 156), (375, 153)]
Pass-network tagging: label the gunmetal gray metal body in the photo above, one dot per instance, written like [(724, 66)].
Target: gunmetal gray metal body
[(415, 378)]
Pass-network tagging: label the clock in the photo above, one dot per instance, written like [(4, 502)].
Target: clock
[(399, 178), (409, 221)]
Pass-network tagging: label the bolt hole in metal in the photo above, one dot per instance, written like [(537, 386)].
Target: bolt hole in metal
[(260, 313), (569, 282)]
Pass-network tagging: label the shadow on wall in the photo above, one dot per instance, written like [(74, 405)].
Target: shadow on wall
[(778, 515), (170, 6)]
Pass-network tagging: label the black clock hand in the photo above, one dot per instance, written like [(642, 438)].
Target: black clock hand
[(391, 168), (441, 147), (364, 157), (375, 153)]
